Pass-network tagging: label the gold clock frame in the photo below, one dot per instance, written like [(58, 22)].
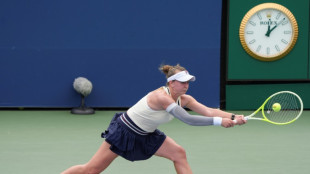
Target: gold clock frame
[(253, 11)]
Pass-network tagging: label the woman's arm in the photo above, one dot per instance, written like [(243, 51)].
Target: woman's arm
[(197, 120), (192, 104)]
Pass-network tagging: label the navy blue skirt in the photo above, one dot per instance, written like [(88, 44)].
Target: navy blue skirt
[(131, 142)]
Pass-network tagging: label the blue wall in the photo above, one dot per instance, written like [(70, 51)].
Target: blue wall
[(117, 45)]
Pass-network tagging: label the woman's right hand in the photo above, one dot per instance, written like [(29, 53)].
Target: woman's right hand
[(227, 123)]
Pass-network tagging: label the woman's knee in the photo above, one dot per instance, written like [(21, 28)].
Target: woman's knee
[(179, 153)]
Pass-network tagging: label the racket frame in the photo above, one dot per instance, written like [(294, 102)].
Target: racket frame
[(250, 117)]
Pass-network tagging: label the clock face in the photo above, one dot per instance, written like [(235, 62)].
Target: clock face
[(268, 32)]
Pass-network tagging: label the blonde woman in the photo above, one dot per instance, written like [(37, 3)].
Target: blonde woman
[(134, 136)]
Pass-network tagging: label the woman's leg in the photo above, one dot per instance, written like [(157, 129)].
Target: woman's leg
[(171, 150), (99, 162)]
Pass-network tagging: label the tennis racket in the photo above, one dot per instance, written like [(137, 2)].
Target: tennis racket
[(291, 107)]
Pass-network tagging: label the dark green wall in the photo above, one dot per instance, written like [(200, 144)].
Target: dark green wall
[(250, 81)]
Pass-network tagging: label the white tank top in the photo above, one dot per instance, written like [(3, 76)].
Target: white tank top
[(148, 119)]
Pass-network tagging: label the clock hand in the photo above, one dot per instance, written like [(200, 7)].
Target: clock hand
[(269, 31), (278, 23)]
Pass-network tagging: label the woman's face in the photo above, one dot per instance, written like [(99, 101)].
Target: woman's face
[(179, 87)]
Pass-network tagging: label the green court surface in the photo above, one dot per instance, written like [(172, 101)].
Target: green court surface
[(48, 142)]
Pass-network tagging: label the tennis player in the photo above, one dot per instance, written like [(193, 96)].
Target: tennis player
[(134, 134)]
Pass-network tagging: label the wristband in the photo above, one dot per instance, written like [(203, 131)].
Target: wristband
[(217, 121)]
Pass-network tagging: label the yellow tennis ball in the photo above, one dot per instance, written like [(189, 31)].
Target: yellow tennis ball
[(276, 107)]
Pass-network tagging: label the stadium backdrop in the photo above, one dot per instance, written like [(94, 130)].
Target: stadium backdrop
[(119, 45)]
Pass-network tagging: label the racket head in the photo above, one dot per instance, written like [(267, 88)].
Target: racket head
[(291, 108)]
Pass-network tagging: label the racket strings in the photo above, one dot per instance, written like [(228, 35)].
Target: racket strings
[(290, 108)]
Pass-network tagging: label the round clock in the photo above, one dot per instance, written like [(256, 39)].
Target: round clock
[(268, 31)]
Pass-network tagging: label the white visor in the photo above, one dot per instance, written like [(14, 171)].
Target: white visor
[(182, 76)]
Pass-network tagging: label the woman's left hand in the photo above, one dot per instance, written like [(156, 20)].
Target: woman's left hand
[(240, 120)]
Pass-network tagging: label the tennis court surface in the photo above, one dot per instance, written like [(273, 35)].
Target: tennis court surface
[(48, 142)]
